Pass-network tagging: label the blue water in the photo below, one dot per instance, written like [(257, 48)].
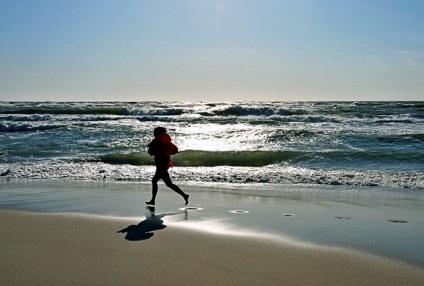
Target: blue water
[(314, 143)]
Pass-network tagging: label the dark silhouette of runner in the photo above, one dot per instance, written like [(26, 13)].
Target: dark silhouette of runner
[(162, 148)]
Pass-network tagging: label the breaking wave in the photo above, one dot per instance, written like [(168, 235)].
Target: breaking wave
[(193, 158), (274, 174), (26, 127), (69, 111)]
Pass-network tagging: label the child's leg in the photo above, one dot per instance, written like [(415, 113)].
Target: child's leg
[(167, 179), (155, 180)]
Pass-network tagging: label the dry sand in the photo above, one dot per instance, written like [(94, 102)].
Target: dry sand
[(68, 249)]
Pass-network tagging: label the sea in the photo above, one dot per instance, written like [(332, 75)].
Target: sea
[(338, 174), (367, 144)]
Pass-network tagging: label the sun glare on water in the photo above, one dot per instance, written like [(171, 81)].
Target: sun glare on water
[(217, 137)]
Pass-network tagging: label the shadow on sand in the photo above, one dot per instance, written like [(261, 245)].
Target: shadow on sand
[(144, 230)]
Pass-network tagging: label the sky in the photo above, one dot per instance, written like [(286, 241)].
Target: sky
[(208, 50)]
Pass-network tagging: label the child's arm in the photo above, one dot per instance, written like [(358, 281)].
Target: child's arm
[(152, 148)]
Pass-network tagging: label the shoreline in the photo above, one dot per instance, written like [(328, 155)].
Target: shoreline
[(69, 249)]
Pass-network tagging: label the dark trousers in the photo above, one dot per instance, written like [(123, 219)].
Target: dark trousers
[(162, 173)]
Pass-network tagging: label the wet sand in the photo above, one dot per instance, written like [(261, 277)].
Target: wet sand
[(69, 249), (91, 234)]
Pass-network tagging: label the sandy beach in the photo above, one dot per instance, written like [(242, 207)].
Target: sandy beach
[(66, 249), (72, 233)]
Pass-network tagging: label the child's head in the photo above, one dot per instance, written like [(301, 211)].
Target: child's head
[(159, 131)]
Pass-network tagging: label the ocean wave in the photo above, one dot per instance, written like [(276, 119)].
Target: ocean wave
[(35, 117), (383, 156), (402, 138), (155, 118), (208, 158), (307, 119), (136, 158), (232, 158), (394, 120), (195, 158), (289, 135), (26, 127), (256, 111), (418, 136), (67, 111), (156, 112), (273, 174), (294, 175), (66, 117)]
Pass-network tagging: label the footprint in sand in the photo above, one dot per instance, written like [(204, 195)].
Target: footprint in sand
[(191, 209), (343, 217), (239, 212), (289, 215), (398, 220)]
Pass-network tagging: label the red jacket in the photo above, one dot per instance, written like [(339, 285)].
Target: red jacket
[(162, 148)]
